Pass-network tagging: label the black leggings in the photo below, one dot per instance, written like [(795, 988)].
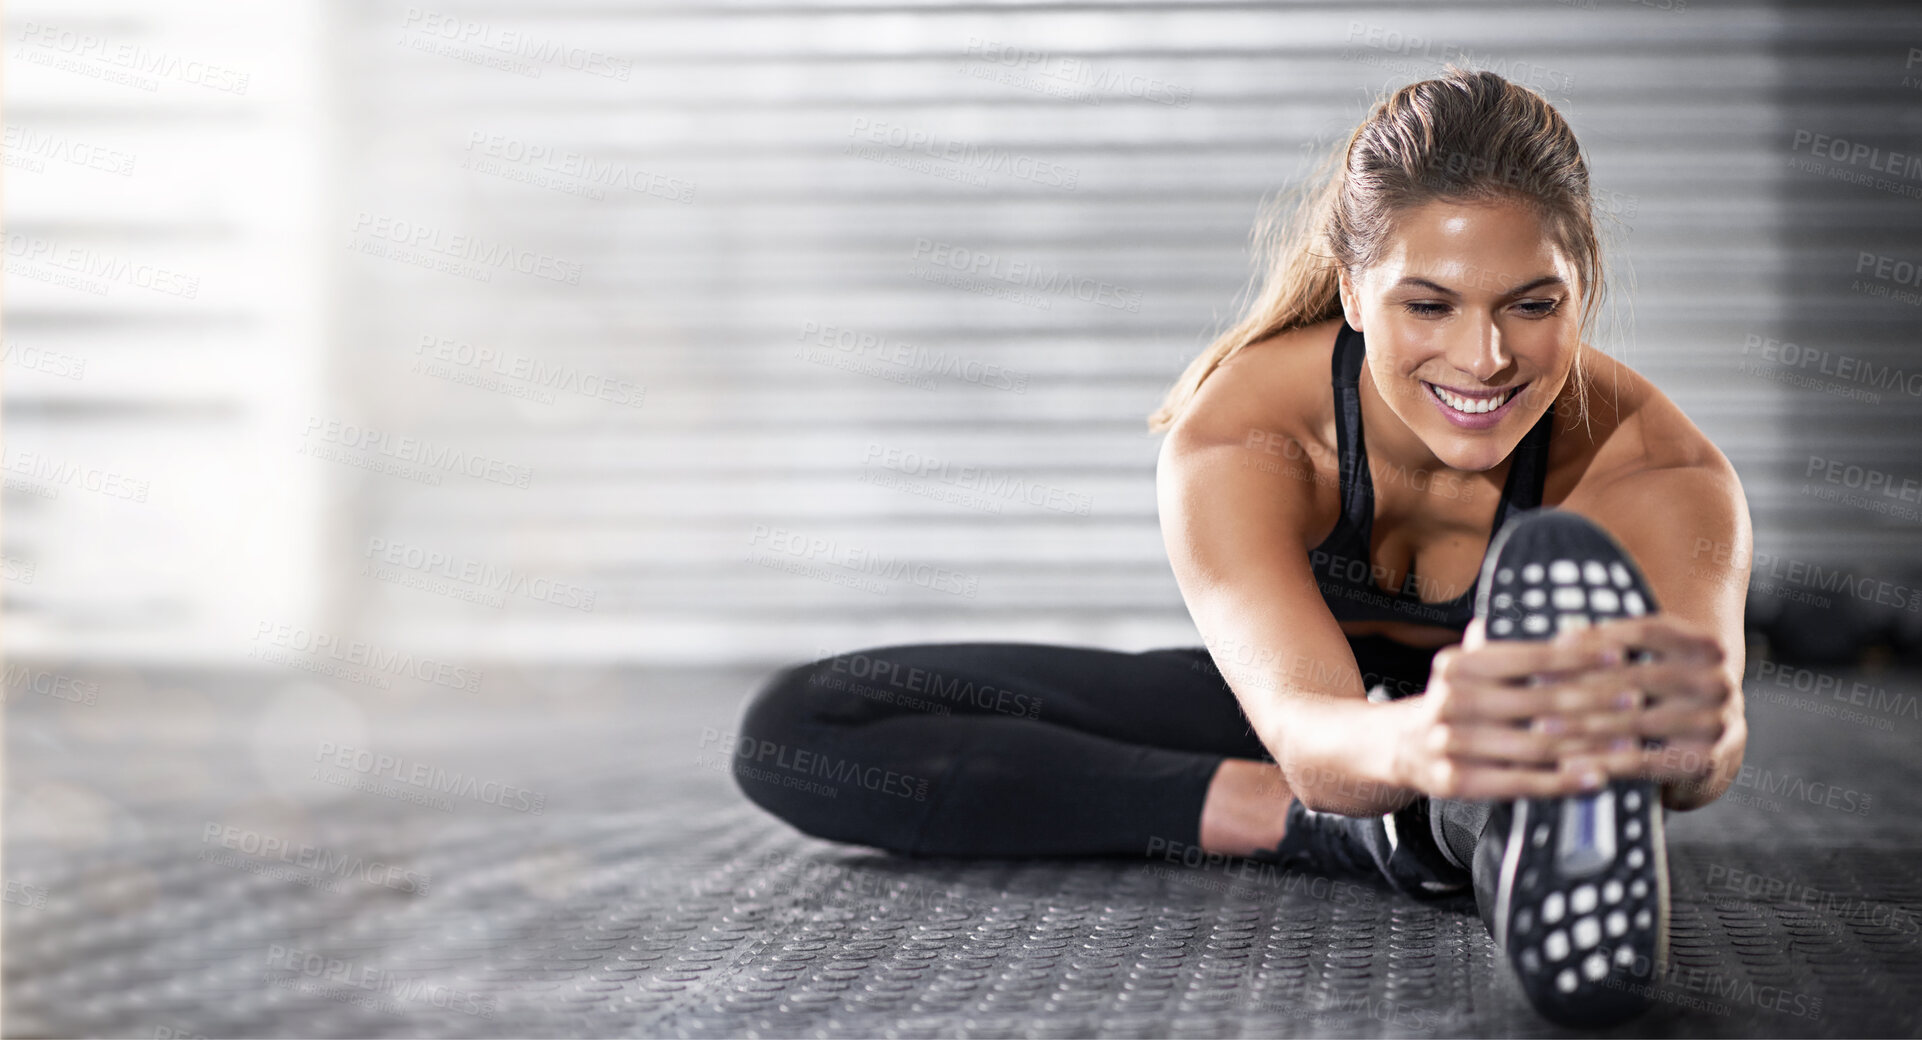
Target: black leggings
[(1007, 749)]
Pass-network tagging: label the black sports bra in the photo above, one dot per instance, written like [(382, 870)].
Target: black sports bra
[(1343, 571)]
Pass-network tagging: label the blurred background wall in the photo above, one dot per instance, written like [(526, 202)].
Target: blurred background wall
[(382, 338)]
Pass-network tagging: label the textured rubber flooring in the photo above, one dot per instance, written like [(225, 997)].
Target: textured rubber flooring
[(197, 855)]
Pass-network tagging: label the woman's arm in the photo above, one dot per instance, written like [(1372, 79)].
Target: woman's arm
[(1235, 507), (1683, 516), (1233, 520)]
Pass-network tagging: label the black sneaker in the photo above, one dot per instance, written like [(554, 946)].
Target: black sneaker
[(1574, 890), (1409, 856), (1321, 843), (1395, 847)]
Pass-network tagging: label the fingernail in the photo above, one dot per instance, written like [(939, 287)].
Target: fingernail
[(1621, 744), (1625, 699), (1611, 656), (1591, 780), (1551, 724)]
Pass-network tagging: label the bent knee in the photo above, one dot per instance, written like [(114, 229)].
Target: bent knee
[(783, 716), (814, 695), (788, 703), (802, 714)]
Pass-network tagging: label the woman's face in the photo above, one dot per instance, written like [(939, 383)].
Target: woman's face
[(1468, 305)]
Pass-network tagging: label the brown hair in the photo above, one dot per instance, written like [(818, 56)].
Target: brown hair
[(1467, 136)]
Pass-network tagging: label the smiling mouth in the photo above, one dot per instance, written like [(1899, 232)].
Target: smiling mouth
[(1472, 405)]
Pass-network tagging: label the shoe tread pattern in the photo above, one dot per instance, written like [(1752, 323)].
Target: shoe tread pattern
[(1586, 945)]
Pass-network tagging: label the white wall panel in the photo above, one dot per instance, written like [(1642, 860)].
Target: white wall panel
[(587, 246)]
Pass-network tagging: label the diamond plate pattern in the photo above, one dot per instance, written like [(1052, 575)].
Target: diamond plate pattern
[(649, 898)]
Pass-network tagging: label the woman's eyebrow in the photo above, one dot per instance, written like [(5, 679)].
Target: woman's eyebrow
[(1446, 291)]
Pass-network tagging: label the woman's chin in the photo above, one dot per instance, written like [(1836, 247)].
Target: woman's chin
[(1468, 452)]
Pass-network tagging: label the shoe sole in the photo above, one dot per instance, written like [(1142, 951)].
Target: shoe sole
[(1582, 907)]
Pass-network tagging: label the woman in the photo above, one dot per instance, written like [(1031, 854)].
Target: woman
[(1345, 714)]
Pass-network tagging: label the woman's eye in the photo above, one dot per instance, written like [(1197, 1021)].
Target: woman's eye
[(1533, 308)]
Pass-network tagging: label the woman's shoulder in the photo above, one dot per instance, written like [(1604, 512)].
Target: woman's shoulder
[(1278, 387), (1258, 439), (1624, 425)]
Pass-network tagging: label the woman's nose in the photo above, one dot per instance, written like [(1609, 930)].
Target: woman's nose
[(1478, 351)]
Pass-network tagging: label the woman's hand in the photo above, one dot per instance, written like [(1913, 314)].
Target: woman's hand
[(1519, 719), (1675, 666)]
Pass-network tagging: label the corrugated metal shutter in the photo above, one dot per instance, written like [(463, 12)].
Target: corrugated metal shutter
[(812, 326), (1840, 499), (165, 320)]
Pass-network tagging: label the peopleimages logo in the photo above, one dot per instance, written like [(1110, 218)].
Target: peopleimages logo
[(546, 166), (318, 966), (1766, 568), (426, 454), (805, 549), (129, 63), (531, 372), (868, 345), (1857, 693), (1840, 367), (1800, 789), (22, 894), (1068, 75), (17, 676), (953, 689), (430, 778), (30, 149), (1865, 478), (1048, 281), (480, 575), (515, 43), (967, 155), (1745, 884), (976, 478), (1276, 880), (313, 857), (805, 762), (359, 653), (90, 270), (38, 472), (463, 247)]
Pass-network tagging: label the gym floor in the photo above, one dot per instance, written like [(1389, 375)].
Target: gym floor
[(193, 854)]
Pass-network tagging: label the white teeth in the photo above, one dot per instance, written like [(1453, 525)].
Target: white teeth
[(1470, 406)]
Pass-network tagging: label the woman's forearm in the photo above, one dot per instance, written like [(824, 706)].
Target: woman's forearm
[(1341, 754)]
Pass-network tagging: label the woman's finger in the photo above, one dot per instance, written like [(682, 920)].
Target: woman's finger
[(1618, 761), (1671, 721), (1503, 743), (1679, 682), (1470, 780), (1475, 635), (1592, 726), (1515, 661), (1678, 760), (1486, 702), (1667, 636)]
